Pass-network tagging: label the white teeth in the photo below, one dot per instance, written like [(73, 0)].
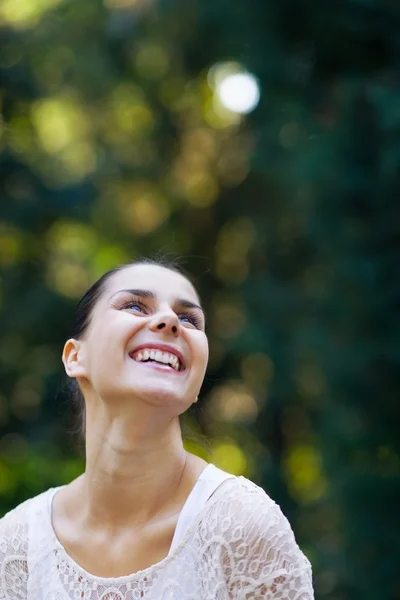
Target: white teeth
[(165, 358)]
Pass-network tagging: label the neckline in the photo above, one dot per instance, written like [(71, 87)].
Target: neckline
[(156, 566)]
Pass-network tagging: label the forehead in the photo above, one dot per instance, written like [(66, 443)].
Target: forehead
[(161, 281)]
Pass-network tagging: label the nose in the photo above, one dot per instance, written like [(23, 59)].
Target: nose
[(167, 322)]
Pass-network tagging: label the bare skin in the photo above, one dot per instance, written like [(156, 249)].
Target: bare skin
[(110, 547), (119, 517)]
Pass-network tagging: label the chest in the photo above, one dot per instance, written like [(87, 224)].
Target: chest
[(194, 573), (115, 556)]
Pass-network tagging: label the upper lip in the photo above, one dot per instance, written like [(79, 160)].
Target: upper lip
[(163, 348)]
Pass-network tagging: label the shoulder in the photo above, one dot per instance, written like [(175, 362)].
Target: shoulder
[(244, 497), (257, 543), (14, 526), (251, 517)]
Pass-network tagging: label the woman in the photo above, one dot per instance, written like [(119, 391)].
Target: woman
[(147, 519)]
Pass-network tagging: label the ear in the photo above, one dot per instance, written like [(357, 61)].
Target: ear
[(72, 358)]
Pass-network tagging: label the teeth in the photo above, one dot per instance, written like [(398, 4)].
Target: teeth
[(165, 358)]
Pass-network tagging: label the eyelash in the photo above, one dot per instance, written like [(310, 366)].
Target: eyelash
[(192, 318), (134, 303)]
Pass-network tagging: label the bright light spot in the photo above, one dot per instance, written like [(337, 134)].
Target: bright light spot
[(233, 402), (304, 474), (221, 70), (59, 122), (229, 457), (22, 14), (239, 92), (71, 240), (72, 247), (107, 257), (142, 206), (235, 92), (200, 188), (68, 279)]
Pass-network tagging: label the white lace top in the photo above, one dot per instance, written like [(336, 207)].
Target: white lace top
[(234, 544)]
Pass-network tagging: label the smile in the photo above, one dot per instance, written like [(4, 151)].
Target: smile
[(154, 355)]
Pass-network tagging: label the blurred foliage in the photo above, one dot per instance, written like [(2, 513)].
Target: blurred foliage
[(114, 144)]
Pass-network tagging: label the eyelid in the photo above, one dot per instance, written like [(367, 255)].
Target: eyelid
[(196, 321), (132, 302)]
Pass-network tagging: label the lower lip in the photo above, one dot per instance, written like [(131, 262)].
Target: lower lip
[(158, 367)]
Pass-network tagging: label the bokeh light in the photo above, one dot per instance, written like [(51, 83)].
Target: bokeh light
[(239, 92), (236, 92)]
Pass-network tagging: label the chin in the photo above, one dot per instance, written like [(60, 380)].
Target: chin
[(162, 396)]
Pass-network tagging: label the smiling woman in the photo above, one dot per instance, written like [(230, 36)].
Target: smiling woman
[(140, 302), (146, 519)]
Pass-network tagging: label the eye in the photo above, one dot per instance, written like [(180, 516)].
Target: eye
[(189, 319), (135, 306)]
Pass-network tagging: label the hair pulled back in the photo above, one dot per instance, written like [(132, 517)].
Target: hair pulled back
[(83, 314)]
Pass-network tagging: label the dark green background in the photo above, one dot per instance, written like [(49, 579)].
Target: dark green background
[(112, 148)]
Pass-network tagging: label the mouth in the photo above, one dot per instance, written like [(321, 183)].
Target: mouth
[(159, 356)]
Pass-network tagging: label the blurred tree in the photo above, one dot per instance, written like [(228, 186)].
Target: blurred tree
[(116, 142)]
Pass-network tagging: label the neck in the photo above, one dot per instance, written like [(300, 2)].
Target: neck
[(135, 467)]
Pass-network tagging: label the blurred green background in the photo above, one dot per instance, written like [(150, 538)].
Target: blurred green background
[(125, 131)]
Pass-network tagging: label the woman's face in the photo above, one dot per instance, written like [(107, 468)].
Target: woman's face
[(146, 339)]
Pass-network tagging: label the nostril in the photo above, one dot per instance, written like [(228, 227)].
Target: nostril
[(162, 325)]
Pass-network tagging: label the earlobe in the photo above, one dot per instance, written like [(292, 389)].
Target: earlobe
[(72, 358)]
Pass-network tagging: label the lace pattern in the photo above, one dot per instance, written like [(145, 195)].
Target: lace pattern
[(240, 546)]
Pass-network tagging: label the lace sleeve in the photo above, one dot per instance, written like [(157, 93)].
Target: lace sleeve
[(264, 560), (13, 556)]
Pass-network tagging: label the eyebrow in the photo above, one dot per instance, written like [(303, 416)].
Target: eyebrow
[(147, 294)]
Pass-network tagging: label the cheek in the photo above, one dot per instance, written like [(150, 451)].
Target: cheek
[(112, 334), (201, 352), (104, 347), (99, 355)]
